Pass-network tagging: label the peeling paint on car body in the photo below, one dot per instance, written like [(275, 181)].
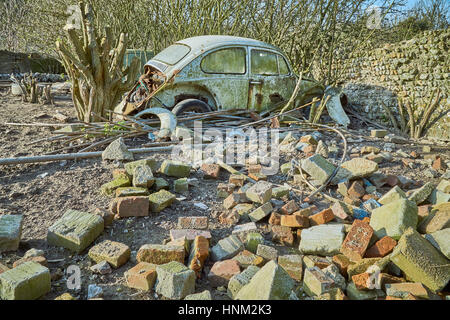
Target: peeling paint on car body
[(225, 91)]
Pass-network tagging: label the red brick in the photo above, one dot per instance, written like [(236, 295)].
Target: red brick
[(340, 210), (193, 222), (424, 210), (211, 170), (322, 217), (289, 207), (41, 260), (199, 254), (229, 217), (309, 149), (237, 179), (439, 165), (257, 176), (282, 235), (357, 239), (222, 271), (392, 180), (234, 199), (133, 207), (386, 278), (381, 248), (352, 201), (393, 298), (414, 154), (254, 168), (294, 221), (106, 215), (356, 190), (303, 212), (369, 196), (361, 281), (308, 139), (275, 218), (142, 276)]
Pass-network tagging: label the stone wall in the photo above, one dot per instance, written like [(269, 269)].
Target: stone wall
[(410, 69)]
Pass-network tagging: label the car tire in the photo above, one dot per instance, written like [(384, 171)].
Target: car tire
[(190, 105)]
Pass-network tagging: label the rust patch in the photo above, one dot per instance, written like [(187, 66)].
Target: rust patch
[(275, 97)]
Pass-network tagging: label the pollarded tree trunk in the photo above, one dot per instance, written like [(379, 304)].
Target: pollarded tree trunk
[(96, 71)]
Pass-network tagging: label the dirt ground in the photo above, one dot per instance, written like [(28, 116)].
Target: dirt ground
[(43, 192)]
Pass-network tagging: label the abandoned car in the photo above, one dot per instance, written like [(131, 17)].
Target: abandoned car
[(208, 73)]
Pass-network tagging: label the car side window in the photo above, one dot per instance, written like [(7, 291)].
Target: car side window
[(229, 60), (282, 65), (264, 62)]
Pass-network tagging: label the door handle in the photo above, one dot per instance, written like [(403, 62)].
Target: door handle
[(255, 82)]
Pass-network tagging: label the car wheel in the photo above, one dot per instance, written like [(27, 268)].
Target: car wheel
[(190, 105)]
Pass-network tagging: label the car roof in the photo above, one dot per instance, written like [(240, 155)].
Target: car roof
[(204, 43)]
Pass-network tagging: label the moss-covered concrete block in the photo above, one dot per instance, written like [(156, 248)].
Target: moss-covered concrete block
[(10, 232), (108, 188), (75, 230), (161, 200), (115, 253), (421, 261), (28, 281), (174, 280), (175, 169), (271, 282), (130, 166)]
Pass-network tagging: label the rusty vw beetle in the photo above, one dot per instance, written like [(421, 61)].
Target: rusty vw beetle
[(207, 73)]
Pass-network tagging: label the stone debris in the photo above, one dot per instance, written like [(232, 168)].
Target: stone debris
[(28, 281), (238, 281), (174, 280), (75, 230), (421, 261), (143, 177), (323, 239), (226, 248), (160, 254), (441, 241), (10, 232), (205, 295), (394, 218), (176, 169), (383, 236), (117, 150), (271, 282), (115, 253)]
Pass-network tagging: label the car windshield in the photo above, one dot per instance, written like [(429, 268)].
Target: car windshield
[(173, 54)]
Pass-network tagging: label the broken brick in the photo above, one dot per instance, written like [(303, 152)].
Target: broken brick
[(133, 207), (222, 271), (356, 242), (289, 207), (356, 190), (294, 221), (211, 170), (282, 235), (322, 217), (275, 218), (193, 222), (381, 248)]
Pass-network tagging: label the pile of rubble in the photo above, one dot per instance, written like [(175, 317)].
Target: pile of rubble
[(40, 77), (379, 236)]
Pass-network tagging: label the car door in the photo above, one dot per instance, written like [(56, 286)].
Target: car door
[(270, 79)]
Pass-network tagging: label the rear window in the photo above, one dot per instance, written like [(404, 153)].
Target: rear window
[(173, 54)]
